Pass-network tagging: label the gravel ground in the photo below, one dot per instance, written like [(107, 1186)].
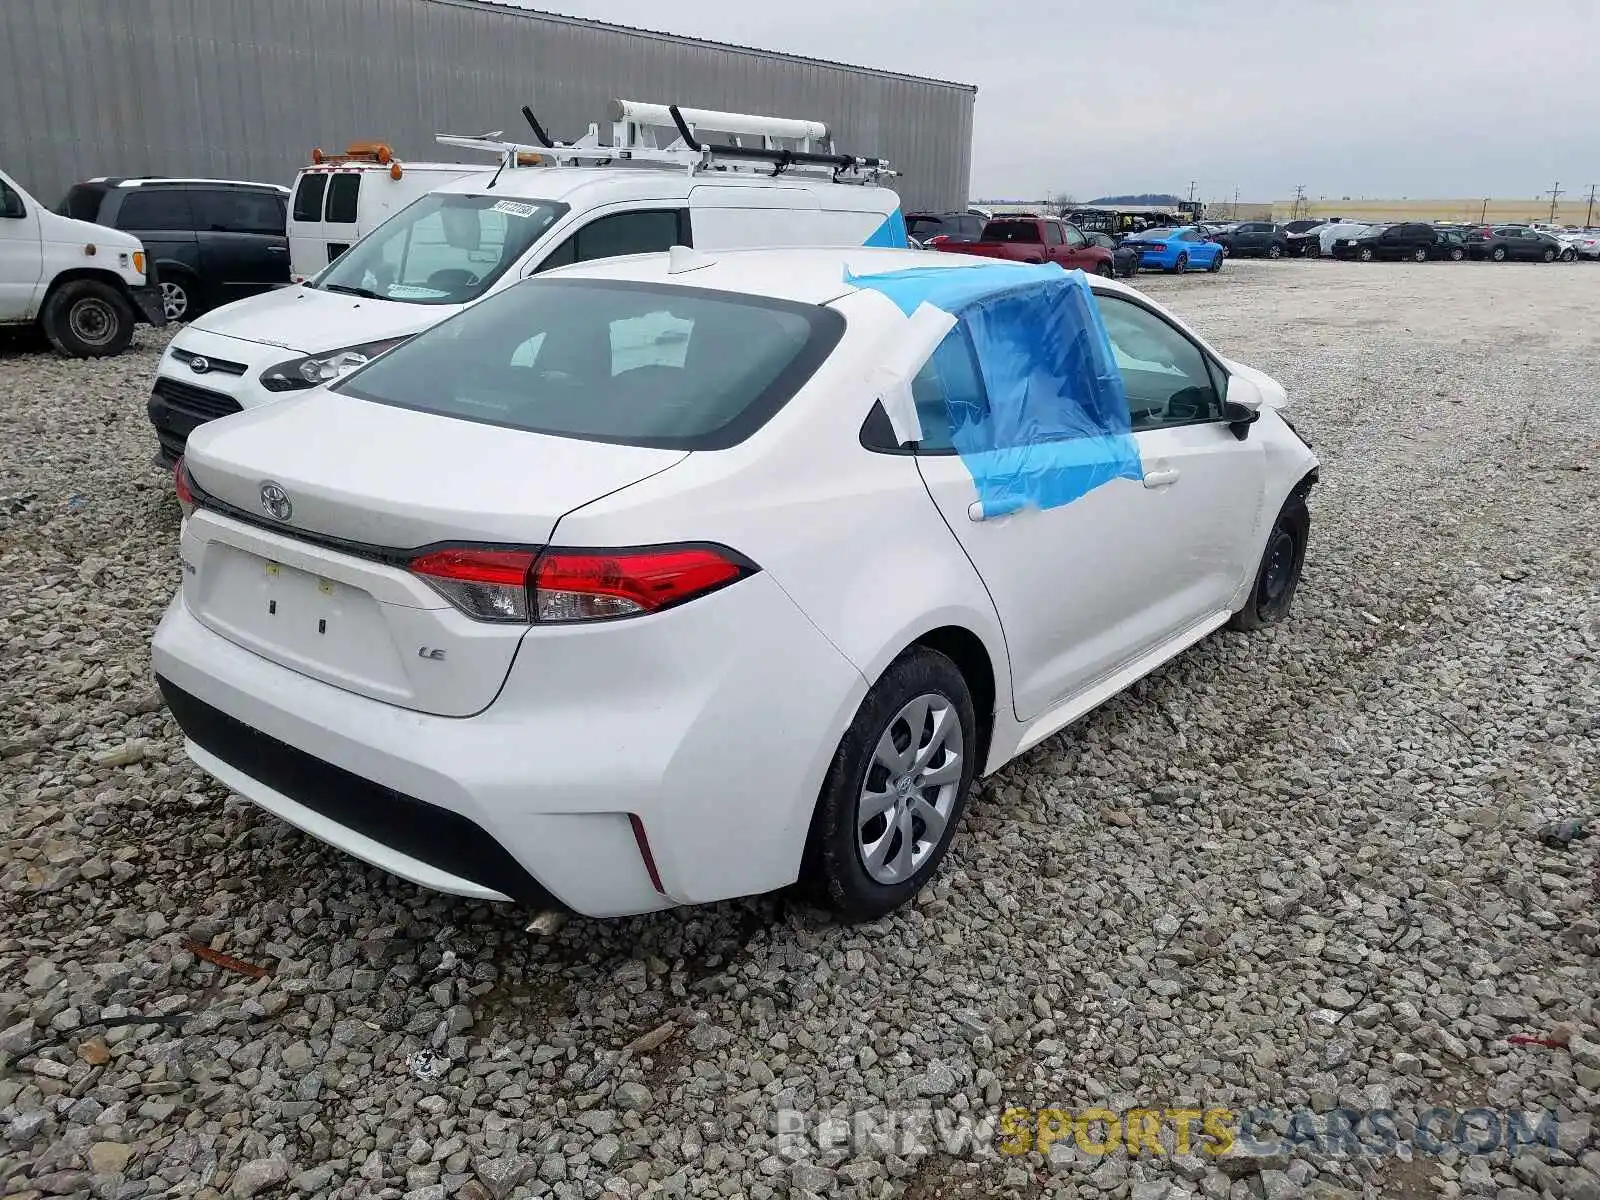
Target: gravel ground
[(1297, 868)]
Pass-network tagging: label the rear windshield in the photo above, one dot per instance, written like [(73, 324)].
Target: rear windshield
[(443, 249), (1012, 231), (308, 197), (610, 361), (82, 202)]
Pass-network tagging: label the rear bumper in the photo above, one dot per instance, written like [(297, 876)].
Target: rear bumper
[(714, 730)]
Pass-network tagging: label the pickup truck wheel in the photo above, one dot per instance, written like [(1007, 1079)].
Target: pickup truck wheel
[(1182, 265), (1106, 270), (88, 319)]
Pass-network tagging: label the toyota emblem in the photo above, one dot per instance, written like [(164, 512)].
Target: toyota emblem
[(275, 502), (199, 365)]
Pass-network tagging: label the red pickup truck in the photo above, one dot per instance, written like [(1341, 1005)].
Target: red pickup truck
[(1035, 240)]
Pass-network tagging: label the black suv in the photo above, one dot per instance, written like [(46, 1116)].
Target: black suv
[(212, 240), (958, 227), (1255, 237), (1415, 240)]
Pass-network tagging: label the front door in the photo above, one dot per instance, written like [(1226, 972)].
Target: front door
[(21, 254)]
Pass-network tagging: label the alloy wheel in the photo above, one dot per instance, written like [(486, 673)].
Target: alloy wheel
[(910, 789), (174, 301)]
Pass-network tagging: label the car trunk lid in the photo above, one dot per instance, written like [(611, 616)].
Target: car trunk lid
[(311, 508)]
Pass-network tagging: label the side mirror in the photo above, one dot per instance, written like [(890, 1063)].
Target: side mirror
[(1242, 407)]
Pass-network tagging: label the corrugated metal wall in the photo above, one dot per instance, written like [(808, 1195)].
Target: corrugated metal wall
[(245, 88)]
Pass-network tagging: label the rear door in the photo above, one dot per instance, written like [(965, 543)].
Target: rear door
[(244, 248), (1076, 249)]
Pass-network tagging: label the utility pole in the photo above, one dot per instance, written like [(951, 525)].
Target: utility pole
[(1588, 221), (1192, 186), (1483, 217), (1555, 192), (1235, 203), (1299, 199)]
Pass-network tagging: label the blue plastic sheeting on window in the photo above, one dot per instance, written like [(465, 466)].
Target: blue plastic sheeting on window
[(892, 233), (1055, 424)]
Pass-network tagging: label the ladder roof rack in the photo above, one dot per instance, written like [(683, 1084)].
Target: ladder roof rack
[(778, 145)]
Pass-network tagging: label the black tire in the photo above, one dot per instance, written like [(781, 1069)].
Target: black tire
[(1216, 264), (835, 871), (1274, 251), (180, 295), (1364, 254), (88, 319), (1549, 254), (1457, 254), (1106, 270), (1498, 254), (1419, 255), (1182, 265), (1569, 255), (1278, 575)]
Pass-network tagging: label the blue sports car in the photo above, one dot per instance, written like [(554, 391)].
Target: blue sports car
[(1182, 249)]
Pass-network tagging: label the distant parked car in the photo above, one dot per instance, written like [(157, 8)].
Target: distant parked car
[(1035, 240), (1301, 238), (1259, 238), (1124, 258), (1328, 235), (958, 227), (1412, 240), (1585, 243), (211, 240), (1518, 242), (1176, 250)]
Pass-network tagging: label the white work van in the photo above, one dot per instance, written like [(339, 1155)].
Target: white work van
[(545, 206), (84, 285), (339, 199)]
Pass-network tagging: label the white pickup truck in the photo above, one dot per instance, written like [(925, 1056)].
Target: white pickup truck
[(84, 285)]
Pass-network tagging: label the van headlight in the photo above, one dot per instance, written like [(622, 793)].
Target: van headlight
[(323, 367)]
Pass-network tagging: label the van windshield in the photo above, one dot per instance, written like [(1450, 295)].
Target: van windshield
[(443, 249)]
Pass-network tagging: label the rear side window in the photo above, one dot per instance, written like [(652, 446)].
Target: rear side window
[(82, 202), (610, 361), (308, 197), (155, 208), (1052, 234), (1024, 232), (344, 190), (237, 210), (948, 383), (648, 231)]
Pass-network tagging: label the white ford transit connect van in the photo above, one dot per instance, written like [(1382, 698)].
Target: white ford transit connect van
[(482, 232), (83, 284)]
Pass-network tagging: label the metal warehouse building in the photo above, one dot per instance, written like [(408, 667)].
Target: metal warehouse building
[(245, 88)]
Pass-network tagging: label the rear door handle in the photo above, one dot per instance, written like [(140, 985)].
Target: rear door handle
[(1155, 479)]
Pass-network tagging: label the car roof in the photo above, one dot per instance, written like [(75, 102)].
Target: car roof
[(142, 180), (807, 275)]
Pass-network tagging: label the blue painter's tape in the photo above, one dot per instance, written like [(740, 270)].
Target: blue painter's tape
[(892, 233), (1054, 424)]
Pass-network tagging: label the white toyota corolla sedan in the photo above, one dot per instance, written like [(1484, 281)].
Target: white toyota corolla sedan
[(666, 579)]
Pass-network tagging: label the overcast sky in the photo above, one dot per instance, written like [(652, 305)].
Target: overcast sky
[(1387, 98)]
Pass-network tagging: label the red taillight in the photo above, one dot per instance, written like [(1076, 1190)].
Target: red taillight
[(491, 585), (588, 585), (180, 484), (576, 585)]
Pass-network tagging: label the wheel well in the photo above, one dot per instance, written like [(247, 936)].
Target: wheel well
[(967, 651), (77, 273)]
